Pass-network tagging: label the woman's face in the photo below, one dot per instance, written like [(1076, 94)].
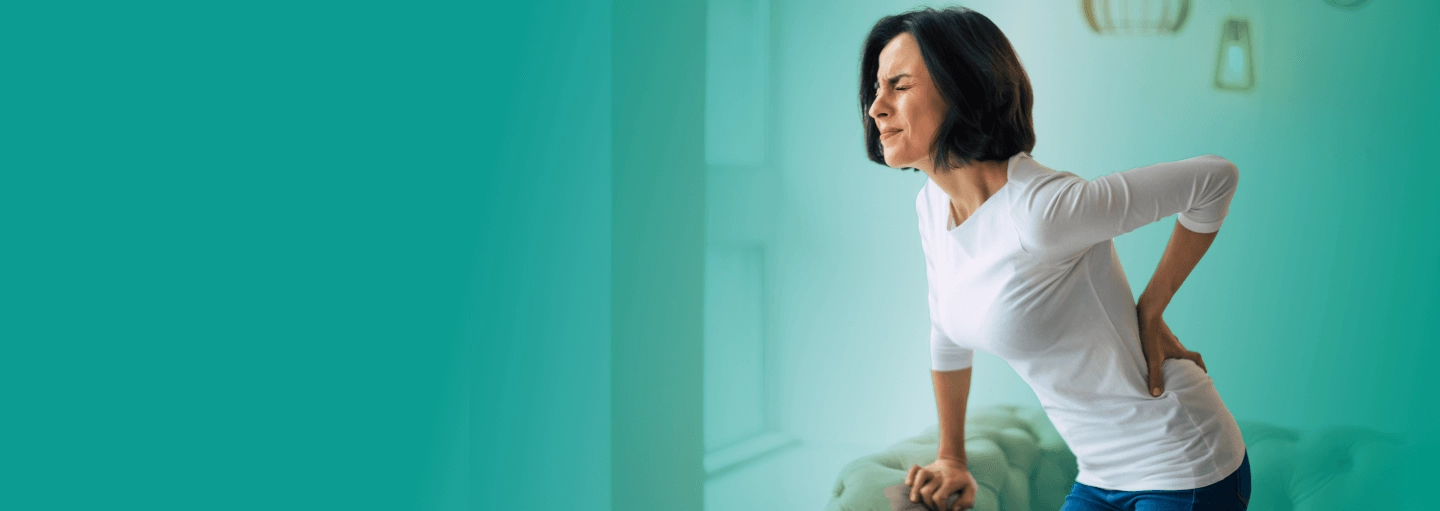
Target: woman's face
[(908, 109)]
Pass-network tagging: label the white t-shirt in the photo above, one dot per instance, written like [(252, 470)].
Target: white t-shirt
[(1032, 277)]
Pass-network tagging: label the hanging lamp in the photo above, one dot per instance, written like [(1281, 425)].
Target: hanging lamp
[(1135, 17), (1235, 65)]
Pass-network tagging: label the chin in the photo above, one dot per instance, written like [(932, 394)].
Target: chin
[(892, 161)]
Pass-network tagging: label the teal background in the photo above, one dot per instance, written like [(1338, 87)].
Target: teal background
[(240, 249), (503, 256)]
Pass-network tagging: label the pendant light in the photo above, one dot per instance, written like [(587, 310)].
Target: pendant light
[(1135, 17), (1235, 66), (1348, 4)]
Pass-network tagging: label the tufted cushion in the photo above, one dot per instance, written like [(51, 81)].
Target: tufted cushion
[(1022, 464), (1014, 453), (1337, 467)]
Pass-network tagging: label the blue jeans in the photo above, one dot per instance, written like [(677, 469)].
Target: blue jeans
[(1231, 493)]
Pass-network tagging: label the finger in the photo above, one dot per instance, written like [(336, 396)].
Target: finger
[(963, 496), (961, 489), (1157, 380), (1195, 356), (942, 494), (910, 475), (920, 476), (972, 491), (927, 493)]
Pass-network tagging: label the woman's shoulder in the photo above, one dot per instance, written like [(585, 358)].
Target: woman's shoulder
[(1034, 182), (1030, 173)]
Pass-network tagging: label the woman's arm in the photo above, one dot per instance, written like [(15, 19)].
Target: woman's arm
[(950, 368), (1064, 215), (1181, 255), (949, 475), (952, 391)]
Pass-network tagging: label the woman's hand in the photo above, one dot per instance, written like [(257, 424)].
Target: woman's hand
[(933, 484), (1158, 344)]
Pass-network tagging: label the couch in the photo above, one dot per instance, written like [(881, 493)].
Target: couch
[(1022, 464)]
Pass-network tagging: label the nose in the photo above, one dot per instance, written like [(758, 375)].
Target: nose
[(879, 108)]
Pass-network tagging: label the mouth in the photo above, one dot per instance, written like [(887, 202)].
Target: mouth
[(888, 133)]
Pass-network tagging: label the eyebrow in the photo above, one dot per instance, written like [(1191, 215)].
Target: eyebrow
[(895, 78)]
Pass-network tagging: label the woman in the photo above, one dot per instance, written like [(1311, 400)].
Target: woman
[(1021, 264)]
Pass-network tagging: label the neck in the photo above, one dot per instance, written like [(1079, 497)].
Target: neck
[(971, 185)]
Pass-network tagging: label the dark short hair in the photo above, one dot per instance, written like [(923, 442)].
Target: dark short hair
[(976, 71)]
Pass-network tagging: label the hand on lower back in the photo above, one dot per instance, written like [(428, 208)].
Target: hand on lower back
[(1158, 344)]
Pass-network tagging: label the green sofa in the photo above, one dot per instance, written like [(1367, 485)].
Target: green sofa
[(1022, 464)]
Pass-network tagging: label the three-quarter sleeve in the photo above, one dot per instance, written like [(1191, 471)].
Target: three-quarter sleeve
[(1062, 215), (945, 355)]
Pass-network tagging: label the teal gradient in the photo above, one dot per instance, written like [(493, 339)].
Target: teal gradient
[(239, 246), (629, 255)]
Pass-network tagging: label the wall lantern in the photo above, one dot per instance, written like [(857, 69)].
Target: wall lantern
[(1235, 66)]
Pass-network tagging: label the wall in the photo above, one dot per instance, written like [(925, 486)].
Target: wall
[(1310, 306)]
